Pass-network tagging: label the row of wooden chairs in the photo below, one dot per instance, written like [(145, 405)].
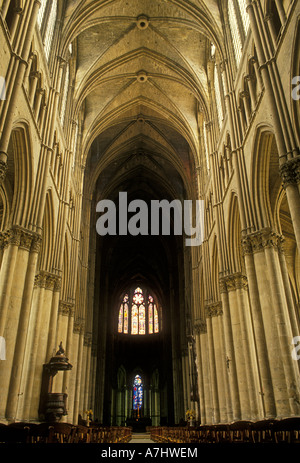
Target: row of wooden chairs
[(23, 432), (264, 431)]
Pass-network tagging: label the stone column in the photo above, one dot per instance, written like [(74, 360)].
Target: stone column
[(290, 173), (213, 312), (197, 330), (234, 414), (78, 375), (69, 351), (74, 356), (239, 349), (213, 374), (42, 333), (275, 316), (87, 366), (30, 243), (206, 375), (32, 346), (11, 243)]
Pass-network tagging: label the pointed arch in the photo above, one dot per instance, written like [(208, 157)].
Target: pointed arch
[(215, 271), (20, 173), (65, 270), (234, 237), (46, 253)]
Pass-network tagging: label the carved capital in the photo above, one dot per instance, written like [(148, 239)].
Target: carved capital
[(87, 339), (290, 172), (258, 241), (47, 280), (233, 282), (78, 326), (36, 243), (25, 240), (65, 308), (214, 310), (3, 170), (200, 326)]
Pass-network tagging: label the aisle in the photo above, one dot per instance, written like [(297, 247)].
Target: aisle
[(141, 438)]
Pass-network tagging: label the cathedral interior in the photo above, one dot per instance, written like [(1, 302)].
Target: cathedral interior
[(165, 100)]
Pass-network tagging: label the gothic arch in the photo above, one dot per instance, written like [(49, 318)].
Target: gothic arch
[(215, 271), (19, 175), (48, 238), (65, 270), (265, 180), (234, 236)]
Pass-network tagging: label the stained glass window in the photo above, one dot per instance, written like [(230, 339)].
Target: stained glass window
[(205, 145), (41, 13), (236, 38), (120, 326), (142, 324), (138, 314), (244, 15), (218, 97), (134, 319), (125, 318), (156, 327), (50, 28), (150, 314), (65, 95), (137, 393)]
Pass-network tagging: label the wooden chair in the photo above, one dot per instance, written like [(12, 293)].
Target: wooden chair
[(13, 435), (82, 434), (263, 431), (222, 433), (62, 433), (241, 431), (287, 430)]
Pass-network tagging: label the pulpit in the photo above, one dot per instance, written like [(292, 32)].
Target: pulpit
[(53, 404)]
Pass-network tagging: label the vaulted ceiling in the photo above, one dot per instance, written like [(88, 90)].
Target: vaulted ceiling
[(141, 82), (141, 88)]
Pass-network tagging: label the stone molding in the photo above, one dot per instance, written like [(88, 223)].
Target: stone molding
[(78, 326), (66, 308), (233, 282), (3, 170), (87, 341), (214, 309), (48, 281), (258, 241), (18, 236), (290, 172), (200, 326)]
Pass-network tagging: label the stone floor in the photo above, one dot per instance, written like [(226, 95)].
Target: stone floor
[(141, 438)]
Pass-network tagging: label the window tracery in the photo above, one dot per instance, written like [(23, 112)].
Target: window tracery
[(140, 313)]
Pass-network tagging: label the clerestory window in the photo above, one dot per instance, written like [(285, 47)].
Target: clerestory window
[(138, 313)]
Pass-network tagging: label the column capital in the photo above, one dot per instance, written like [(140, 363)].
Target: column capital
[(214, 310), (259, 240), (200, 326), (65, 308), (232, 282), (79, 326), (3, 170), (290, 172), (47, 280), (87, 339)]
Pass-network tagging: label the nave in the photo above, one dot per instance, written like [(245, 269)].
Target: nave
[(285, 431)]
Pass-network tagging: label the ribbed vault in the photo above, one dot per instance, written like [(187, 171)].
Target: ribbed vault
[(141, 90)]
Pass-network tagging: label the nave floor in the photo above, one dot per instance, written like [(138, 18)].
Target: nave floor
[(141, 438)]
